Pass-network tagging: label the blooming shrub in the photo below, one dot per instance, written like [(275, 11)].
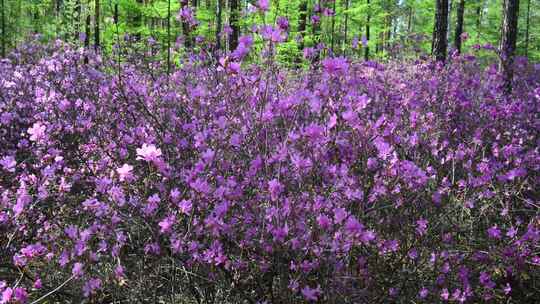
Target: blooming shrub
[(355, 182)]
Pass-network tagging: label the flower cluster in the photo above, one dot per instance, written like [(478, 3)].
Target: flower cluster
[(354, 183)]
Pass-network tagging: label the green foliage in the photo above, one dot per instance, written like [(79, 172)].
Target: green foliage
[(406, 24)]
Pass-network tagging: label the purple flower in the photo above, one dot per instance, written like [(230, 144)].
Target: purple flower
[(335, 66), (275, 188), (423, 293), (263, 5), (166, 224), (494, 232), (283, 23), (383, 148), (185, 206), (77, 270), (311, 294), (421, 226), (8, 163)]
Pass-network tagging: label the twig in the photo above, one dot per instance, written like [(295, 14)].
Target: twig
[(54, 290)]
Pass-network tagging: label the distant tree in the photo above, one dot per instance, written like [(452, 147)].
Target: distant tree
[(459, 25), (368, 20), (440, 41), (3, 28), (218, 23), (527, 26), (96, 24), (508, 40), (233, 21)]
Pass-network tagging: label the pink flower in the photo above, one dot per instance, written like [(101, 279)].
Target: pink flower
[(77, 269), (124, 172), (6, 295), (148, 153), (37, 132), (166, 224), (263, 5)]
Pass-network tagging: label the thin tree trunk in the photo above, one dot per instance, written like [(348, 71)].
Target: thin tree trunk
[(87, 37), (508, 41), (459, 25), (115, 13), (168, 37), (77, 20), (366, 47), (3, 29), (137, 21), (218, 24), (440, 42), (233, 21), (479, 20), (333, 28), (409, 21), (528, 20), (185, 25), (96, 25), (317, 35), (302, 23), (344, 44)]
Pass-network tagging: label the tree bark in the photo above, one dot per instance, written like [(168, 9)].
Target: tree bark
[(302, 23), (440, 41), (3, 28), (366, 47), (233, 20), (218, 24), (185, 26), (527, 21), (479, 20), (115, 16), (333, 27), (77, 20), (344, 43), (168, 37), (96, 25), (459, 25), (508, 41)]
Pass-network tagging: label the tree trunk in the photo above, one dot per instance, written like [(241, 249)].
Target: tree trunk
[(479, 20), (528, 20), (459, 25), (3, 28), (218, 24), (440, 42), (333, 28), (96, 25), (137, 21), (233, 21), (168, 37), (366, 47), (185, 25), (344, 43), (317, 34), (87, 37), (115, 13), (77, 20), (87, 33), (302, 23), (508, 41)]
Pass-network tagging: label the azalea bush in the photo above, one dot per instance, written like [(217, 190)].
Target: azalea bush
[(235, 183)]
